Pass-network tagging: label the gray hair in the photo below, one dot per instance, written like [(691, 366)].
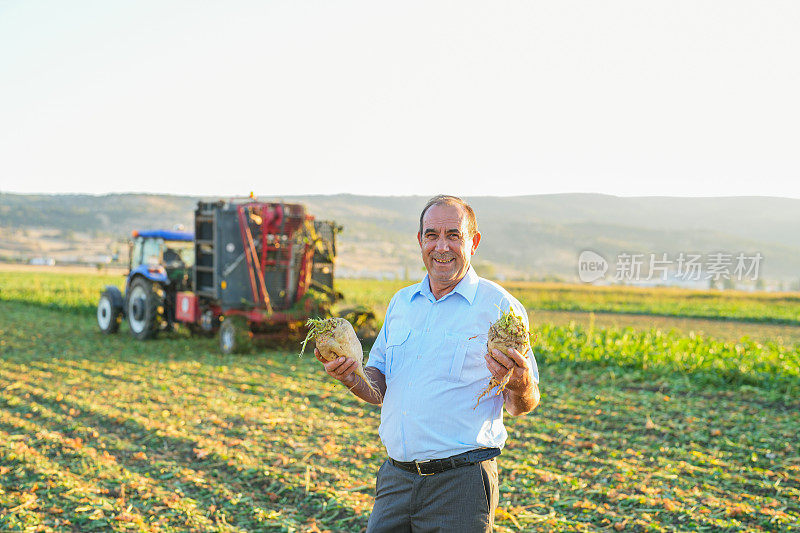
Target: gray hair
[(444, 199)]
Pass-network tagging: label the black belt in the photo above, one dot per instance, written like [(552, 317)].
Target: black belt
[(434, 466)]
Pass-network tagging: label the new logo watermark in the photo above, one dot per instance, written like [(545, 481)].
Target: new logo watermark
[(591, 266), (683, 266)]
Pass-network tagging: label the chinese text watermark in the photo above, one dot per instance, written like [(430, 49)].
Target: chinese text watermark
[(683, 266)]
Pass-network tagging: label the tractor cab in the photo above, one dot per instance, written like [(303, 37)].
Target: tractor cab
[(161, 265), (165, 257)]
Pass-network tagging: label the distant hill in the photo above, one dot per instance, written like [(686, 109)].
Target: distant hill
[(530, 237)]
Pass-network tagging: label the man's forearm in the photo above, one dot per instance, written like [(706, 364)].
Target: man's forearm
[(521, 403), (359, 387)]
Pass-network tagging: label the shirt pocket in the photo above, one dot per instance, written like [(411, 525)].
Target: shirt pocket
[(468, 358), (396, 348), (468, 353)]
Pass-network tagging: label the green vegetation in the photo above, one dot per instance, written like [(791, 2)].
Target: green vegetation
[(719, 329), (691, 359), (779, 308), (371, 293), (637, 430), (760, 307), (81, 291), (317, 326), (76, 292)]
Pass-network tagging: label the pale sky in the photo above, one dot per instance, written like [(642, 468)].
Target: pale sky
[(677, 98)]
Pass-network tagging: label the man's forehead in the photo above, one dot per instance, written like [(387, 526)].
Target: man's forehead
[(444, 215)]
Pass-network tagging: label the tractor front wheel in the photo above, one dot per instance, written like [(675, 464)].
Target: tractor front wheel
[(235, 336), (145, 308), (109, 315)]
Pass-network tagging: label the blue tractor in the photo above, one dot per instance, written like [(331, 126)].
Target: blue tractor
[(161, 265)]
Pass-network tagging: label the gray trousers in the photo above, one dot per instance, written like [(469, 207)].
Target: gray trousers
[(461, 500)]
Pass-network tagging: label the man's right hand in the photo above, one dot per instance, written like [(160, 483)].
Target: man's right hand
[(341, 368), (344, 370)]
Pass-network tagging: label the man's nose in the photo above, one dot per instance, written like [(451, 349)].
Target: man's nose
[(441, 245)]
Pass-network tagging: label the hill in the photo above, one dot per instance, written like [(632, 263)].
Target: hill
[(529, 237)]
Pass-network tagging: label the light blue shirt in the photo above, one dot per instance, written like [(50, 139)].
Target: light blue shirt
[(431, 353)]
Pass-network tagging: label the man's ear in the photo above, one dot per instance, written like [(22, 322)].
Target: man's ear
[(476, 239), (419, 239)]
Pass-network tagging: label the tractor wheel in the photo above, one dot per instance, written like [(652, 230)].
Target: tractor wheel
[(363, 321), (207, 326), (109, 315), (235, 336), (145, 308)]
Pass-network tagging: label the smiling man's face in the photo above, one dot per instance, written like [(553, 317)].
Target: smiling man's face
[(446, 246)]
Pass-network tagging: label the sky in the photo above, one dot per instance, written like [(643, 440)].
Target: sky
[(631, 98)]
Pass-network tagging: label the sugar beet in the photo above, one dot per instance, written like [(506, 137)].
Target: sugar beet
[(508, 331), (335, 337)]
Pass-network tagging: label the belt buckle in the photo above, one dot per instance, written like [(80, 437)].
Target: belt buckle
[(416, 463)]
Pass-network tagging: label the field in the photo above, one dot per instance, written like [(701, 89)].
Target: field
[(77, 290), (759, 307), (640, 428)]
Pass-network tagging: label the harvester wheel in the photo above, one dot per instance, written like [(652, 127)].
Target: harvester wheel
[(235, 336), (363, 320), (207, 326), (109, 315), (145, 308)]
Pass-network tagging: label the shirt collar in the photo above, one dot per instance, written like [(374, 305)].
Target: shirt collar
[(467, 287)]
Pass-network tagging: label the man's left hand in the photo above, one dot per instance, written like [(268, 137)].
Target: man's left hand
[(499, 364)]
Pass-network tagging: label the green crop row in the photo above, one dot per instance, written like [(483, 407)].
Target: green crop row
[(751, 307), (770, 365), (760, 307)]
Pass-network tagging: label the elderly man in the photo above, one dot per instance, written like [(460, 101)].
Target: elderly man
[(430, 364)]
